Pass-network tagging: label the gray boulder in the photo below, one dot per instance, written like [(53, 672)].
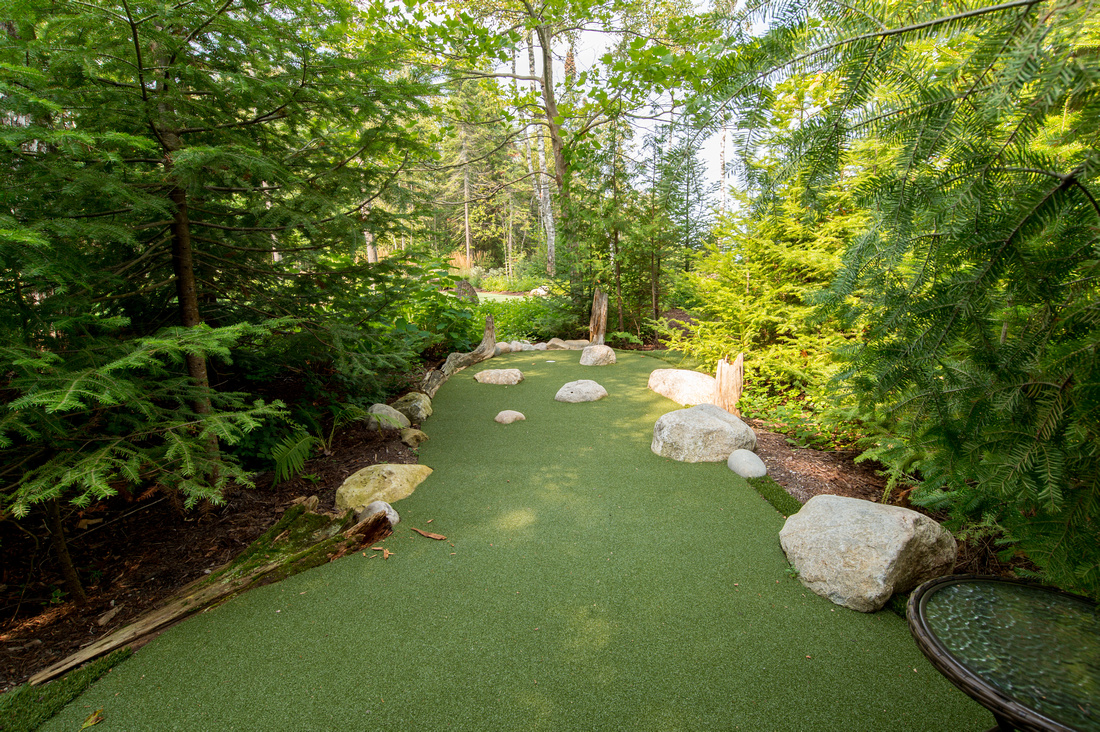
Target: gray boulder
[(747, 464), (556, 344), (598, 356), (385, 417), (540, 291), (376, 506), (541, 347), (701, 434), (857, 553), (683, 386), (508, 416), (502, 348), (521, 346), (414, 405), (505, 377), (584, 390)]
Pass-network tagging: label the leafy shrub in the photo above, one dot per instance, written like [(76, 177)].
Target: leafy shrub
[(526, 318)]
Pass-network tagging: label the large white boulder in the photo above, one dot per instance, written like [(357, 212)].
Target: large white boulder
[(683, 386), (385, 417), (414, 405), (386, 482), (584, 390), (597, 356), (506, 377), (857, 553), (701, 434)]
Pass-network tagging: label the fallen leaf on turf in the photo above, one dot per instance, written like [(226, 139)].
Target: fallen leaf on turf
[(93, 719), (437, 537), (429, 521), (386, 553)]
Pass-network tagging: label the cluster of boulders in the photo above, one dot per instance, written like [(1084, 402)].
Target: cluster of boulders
[(373, 488), (554, 344), (854, 552), (703, 432)]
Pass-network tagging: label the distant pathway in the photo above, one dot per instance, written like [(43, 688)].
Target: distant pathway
[(585, 584)]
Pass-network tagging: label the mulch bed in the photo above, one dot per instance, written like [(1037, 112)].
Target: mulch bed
[(138, 553)]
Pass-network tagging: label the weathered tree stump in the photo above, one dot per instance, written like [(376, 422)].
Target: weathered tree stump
[(465, 291), (731, 380), (597, 324), (458, 361)]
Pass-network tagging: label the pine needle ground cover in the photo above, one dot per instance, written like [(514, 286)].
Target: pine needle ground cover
[(585, 584)]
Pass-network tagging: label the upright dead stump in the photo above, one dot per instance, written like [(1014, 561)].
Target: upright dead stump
[(731, 380), (597, 325)]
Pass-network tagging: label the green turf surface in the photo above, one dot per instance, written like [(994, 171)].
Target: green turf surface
[(586, 584)]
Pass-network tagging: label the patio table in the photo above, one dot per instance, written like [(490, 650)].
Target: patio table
[(1030, 654)]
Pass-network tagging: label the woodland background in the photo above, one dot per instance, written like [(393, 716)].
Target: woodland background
[(228, 226)]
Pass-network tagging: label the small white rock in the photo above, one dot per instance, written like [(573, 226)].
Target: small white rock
[(747, 464), (508, 416)]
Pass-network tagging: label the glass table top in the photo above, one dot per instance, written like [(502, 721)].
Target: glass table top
[(1039, 647)]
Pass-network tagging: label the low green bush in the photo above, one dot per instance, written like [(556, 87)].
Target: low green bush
[(525, 318)]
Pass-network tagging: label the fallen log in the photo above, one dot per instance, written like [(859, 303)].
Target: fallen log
[(300, 540), (458, 361)]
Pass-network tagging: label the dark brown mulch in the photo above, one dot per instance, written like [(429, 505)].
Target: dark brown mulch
[(806, 472), (142, 551)]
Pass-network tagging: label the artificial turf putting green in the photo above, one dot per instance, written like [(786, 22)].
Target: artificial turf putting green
[(585, 584)]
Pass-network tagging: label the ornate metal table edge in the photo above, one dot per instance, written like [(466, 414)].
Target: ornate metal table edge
[(1009, 713)]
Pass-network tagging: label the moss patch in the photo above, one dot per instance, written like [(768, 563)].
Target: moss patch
[(25, 708)]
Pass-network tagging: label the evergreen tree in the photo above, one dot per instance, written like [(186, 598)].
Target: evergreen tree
[(976, 136), (172, 178)]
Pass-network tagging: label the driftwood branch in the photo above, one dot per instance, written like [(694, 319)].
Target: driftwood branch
[(270, 558), (458, 361)]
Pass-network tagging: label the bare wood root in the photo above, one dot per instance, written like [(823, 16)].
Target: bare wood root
[(458, 361)]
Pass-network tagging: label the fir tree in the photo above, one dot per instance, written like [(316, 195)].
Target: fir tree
[(976, 137)]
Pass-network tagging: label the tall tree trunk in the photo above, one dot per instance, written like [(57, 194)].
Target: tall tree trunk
[(57, 538), (466, 203), (618, 275), (542, 186), (187, 293)]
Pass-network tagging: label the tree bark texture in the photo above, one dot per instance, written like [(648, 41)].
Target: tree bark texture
[(597, 323), (730, 383), (57, 538)]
